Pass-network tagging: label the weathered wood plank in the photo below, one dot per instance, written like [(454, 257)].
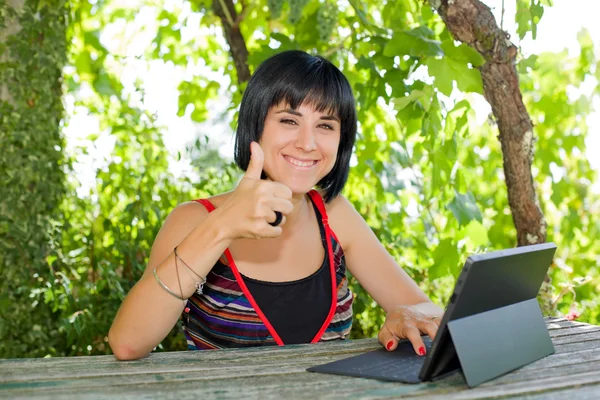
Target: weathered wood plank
[(558, 323), (246, 373), (184, 361), (216, 367), (578, 393), (521, 388), (583, 337), (273, 372), (591, 345), (249, 373), (575, 330), (303, 385)]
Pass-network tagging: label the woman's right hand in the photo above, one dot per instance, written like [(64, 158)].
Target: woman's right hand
[(252, 205)]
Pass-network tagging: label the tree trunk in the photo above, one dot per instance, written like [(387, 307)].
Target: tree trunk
[(473, 23), (237, 45), (33, 51)]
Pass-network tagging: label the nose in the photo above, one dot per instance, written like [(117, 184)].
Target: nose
[(306, 139)]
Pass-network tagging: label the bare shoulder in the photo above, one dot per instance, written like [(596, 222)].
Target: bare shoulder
[(177, 226), (343, 219), (192, 212)]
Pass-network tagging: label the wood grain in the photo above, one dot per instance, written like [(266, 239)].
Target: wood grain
[(276, 372)]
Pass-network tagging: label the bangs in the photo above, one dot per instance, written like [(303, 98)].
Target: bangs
[(319, 85)]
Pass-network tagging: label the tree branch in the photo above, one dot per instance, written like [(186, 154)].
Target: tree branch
[(225, 10), (246, 8), (502, 17), (473, 23)]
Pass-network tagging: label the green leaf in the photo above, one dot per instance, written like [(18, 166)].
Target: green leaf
[(536, 10), (445, 259), (477, 233), (412, 43), (402, 102), (462, 53), (523, 18), (529, 13), (439, 69), (445, 70), (464, 208)]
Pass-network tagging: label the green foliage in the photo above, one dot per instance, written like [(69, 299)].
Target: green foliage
[(428, 174), (275, 7), (529, 13), (296, 7), (326, 20), (565, 175), (32, 173)]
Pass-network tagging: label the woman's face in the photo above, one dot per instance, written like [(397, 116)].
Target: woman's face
[(300, 146)]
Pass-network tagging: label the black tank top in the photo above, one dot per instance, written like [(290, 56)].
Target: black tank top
[(296, 309)]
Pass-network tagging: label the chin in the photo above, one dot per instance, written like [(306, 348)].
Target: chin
[(298, 187)]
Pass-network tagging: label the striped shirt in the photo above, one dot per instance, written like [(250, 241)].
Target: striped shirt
[(226, 315)]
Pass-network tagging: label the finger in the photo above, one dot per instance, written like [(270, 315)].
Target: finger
[(274, 218), (429, 327), (414, 335), (387, 339), (281, 205), (279, 190), (257, 159)]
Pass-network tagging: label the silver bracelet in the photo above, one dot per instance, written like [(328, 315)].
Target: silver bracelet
[(198, 284), (162, 285)]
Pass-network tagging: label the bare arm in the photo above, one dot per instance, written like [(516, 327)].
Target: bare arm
[(370, 263), (409, 310), (148, 313)]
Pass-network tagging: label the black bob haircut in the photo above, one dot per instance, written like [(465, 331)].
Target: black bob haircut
[(295, 78)]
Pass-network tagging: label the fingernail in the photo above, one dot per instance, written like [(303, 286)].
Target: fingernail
[(389, 345), (422, 350)]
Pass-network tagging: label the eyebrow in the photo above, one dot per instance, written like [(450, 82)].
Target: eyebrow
[(299, 114)]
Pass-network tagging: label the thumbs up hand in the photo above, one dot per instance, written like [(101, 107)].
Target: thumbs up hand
[(253, 204), (257, 161)]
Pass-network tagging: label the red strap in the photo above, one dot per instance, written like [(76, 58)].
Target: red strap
[(318, 200), (261, 315), (207, 204), (238, 277), (316, 197)]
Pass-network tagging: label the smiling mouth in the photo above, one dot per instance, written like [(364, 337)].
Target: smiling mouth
[(300, 163)]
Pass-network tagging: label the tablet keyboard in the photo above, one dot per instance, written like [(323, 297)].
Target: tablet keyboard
[(400, 365), (392, 368)]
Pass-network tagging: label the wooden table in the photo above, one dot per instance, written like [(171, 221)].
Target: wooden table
[(573, 372)]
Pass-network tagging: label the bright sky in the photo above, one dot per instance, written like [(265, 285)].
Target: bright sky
[(558, 30)]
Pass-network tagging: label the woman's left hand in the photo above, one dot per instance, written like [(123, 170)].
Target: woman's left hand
[(408, 322)]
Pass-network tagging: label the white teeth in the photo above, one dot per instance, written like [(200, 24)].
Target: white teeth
[(300, 163)]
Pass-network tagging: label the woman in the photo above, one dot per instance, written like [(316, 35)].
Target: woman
[(261, 265)]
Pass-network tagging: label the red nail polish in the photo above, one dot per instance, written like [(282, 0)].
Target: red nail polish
[(389, 345), (422, 350), (186, 310)]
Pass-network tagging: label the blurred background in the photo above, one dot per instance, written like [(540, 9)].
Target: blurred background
[(113, 112)]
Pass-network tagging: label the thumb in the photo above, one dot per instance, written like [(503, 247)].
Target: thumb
[(387, 339), (257, 159)]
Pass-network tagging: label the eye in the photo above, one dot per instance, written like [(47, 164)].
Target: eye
[(327, 126), (288, 121)]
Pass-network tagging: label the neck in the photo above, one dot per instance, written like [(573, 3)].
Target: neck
[(300, 211)]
